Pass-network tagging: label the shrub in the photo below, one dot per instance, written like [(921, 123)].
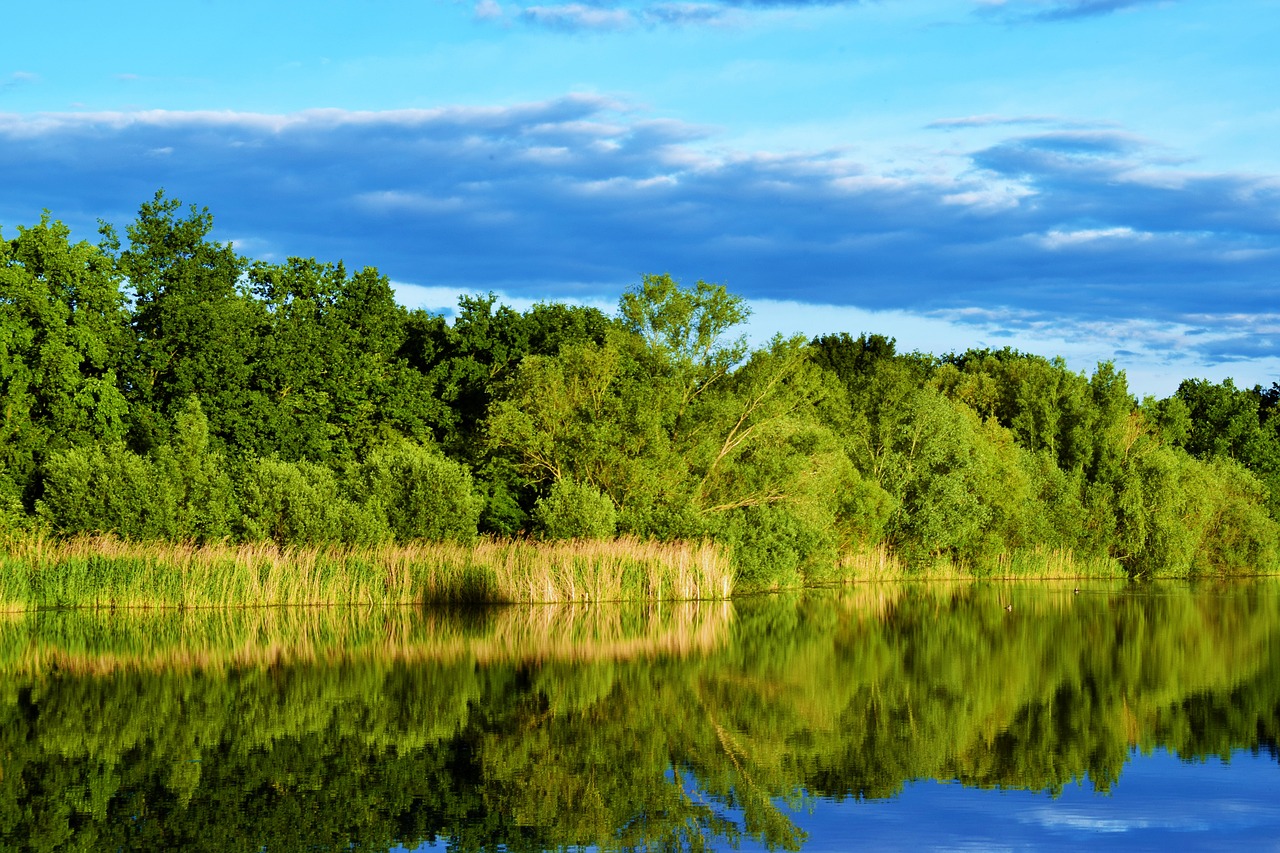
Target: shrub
[(574, 510), (297, 503), (775, 545), (201, 492), (101, 489), (421, 494), (1240, 536)]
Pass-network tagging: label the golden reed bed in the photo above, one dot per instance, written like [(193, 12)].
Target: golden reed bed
[(105, 572)]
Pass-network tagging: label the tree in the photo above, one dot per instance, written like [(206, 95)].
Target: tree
[(1229, 422), (332, 375), (62, 334), (195, 328), (678, 431), (685, 328)]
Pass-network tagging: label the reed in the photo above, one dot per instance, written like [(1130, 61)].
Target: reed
[(1044, 563), (878, 563), (106, 572)]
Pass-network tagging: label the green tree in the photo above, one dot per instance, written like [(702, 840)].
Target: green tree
[(685, 329), (1228, 422), (62, 336), (195, 328), (332, 378)]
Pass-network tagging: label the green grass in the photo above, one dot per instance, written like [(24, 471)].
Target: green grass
[(105, 572), (878, 563)]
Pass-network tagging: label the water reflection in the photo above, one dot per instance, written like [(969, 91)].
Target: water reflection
[(673, 726)]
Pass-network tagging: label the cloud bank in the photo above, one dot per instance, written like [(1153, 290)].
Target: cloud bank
[(610, 17), (1051, 229), (1046, 11), (615, 15)]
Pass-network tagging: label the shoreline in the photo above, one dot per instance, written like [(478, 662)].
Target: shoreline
[(107, 573)]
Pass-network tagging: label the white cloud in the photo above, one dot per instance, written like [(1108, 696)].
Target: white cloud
[(395, 201), (577, 16), (489, 10), (1060, 236), (1061, 239)]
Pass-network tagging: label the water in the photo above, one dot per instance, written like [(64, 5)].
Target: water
[(893, 717)]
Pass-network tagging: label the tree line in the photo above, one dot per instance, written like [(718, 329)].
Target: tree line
[(163, 386)]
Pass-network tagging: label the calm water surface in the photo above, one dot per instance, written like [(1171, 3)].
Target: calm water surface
[(892, 717)]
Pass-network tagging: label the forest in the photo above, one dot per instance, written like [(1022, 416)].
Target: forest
[(163, 387)]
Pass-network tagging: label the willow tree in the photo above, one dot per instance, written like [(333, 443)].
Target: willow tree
[(680, 425)]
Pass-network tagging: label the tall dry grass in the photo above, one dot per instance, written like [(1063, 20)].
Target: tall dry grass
[(103, 571), (879, 563)]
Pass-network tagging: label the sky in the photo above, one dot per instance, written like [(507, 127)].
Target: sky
[(1091, 179)]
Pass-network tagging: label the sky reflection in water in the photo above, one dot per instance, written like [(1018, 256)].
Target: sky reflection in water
[(1160, 802)]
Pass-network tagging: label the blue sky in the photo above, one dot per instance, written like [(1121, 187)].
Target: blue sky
[(1096, 179)]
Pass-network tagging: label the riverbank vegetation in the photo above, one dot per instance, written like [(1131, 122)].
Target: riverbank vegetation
[(162, 388), (106, 572)]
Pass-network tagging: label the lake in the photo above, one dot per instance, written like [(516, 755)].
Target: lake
[(992, 715)]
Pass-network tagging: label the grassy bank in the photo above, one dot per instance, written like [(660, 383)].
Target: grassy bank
[(104, 572), (878, 563)]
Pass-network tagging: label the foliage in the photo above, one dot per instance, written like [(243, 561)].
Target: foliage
[(63, 335), (104, 488), (300, 503), (421, 494), (573, 510), (141, 378), (195, 478)]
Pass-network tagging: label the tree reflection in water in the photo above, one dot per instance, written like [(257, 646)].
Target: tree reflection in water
[(654, 727)]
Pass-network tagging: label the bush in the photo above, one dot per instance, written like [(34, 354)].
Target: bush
[(574, 510), (105, 489), (421, 494), (1164, 500), (202, 505), (1241, 536), (181, 493), (299, 503), (14, 520), (774, 545)]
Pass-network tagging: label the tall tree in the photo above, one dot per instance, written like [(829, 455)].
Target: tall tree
[(194, 324), (62, 330)]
